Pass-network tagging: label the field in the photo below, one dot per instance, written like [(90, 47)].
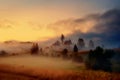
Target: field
[(26, 67), (36, 61)]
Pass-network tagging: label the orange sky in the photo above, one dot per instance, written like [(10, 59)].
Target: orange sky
[(28, 20)]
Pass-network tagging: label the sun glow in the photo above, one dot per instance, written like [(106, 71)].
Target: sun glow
[(25, 33)]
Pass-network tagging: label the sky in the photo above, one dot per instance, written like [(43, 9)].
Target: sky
[(40, 20)]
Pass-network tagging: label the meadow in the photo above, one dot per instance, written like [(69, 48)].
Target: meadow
[(32, 67)]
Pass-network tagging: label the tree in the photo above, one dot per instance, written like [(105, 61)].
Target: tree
[(75, 56), (62, 38), (81, 43), (75, 49), (91, 44), (35, 48), (64, 53)]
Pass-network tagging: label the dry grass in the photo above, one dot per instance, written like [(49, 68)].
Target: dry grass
[(22, 73)]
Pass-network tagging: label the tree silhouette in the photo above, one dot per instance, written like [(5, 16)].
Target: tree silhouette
[(64, 53), (75, 49), (35, 48), (62, 38), (91, 44), (81, 43), (75, 56)]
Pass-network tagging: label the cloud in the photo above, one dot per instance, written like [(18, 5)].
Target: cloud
[(109, 27), (72, 25), (103, 28), (109, 21), (6, 24)]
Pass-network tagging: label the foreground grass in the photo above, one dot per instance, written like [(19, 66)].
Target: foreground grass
[(8, 72)]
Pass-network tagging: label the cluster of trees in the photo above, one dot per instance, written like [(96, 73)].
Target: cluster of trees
[(35, 48), (74, 55), (99, 59), (80, 42)]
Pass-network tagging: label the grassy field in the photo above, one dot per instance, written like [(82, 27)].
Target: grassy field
[(35, 61), (24, 73), (46, 68)]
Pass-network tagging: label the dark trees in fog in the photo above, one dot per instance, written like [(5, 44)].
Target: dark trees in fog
[(3, 53), (62, 38), (35, 48), (75, 49), (64, 53), (81, 43), (75, 56), (91, 44), (99, 59)]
